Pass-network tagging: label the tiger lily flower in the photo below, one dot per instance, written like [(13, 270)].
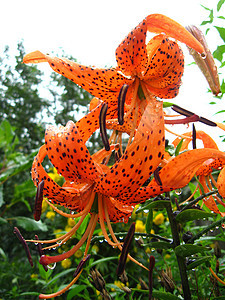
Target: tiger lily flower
[(204, 173), (142, 72), (92, 187)]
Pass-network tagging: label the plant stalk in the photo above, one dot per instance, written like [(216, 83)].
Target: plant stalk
[(180, 260)]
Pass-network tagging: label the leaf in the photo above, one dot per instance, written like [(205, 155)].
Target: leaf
[(30, 224), (153, 204), (198, 261), (221, 31), (76, 290), (2, 221), (149, 221), (219, 4), (102, 260), (2, 254), (189, 249), (167, 104), (159, 245), (164, 296), (177, 150), (192, 214)]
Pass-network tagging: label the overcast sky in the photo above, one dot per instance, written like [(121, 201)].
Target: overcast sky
[(91, 30)]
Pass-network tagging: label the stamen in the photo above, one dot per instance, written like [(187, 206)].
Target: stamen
[(126, 246), (25, 246), (49, 296), (46, 260), (193, 137), (157, 177), (214, 274), (193, 118), (188, 113), (40, 252), (121, 102), (81, 265), (102, 125), (38, 201), (150, 277)]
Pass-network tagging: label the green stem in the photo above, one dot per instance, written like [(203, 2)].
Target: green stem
[(180, 260)]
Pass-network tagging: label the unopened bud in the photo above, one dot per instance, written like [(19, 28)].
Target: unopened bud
[(187, 236), (166, 281), (217, 250)]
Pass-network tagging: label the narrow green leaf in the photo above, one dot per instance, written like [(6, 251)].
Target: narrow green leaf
[(102, 260), (1, 195), (149, 221), (189, 249), (219, 4), (153, 204), (164, 296), (75, 290), (198, 262), (192, 214), (167, 104), (159, 245), (177, 150), (30, 224)]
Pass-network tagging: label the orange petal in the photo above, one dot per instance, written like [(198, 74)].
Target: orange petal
[(100, 83), (140, 159), (68, 198), (161, 24), (131, 54), (221, 183), (178, 172), (165, 67), (118, 212), (68, 153)]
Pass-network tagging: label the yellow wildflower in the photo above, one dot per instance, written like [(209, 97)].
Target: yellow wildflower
[(50, 215), (34, 276), (159, 219), (78, 253), (44, 206), (139, 226), (54, 175), (119, 284), (57, 233), (66, 263), (68, 228), (71, 222), (95, 249)]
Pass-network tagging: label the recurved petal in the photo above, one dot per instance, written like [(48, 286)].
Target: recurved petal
[(221, 183), (131, 54), (140, 159), (71, 198), (159, 23), (117, 211), (100, 83), (68, 153), (165, 67), (178, 172)]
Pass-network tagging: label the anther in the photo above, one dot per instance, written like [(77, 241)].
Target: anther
[(24, 243), (102, 125), (126, 246), (121, 102), (193, 137), (38, 201), (81, 265), (157, 177)]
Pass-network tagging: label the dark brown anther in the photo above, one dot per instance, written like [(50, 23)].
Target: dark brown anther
[(126, 246), (38, 201), (81, 265), (24, 243), (207, 122), (182, 111), (157, 177), (40, 252), (150, 275), (193, 137), (102, 125), (121, 102)]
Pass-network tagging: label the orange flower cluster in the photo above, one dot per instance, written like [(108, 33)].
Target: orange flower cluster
[(126, 100)]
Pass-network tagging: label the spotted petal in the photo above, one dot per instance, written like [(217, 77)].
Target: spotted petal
[(140, 158), (178, 172), (100, 83)]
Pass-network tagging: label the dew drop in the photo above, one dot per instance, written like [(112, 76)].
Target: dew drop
[(178, 192), (51, 266)]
